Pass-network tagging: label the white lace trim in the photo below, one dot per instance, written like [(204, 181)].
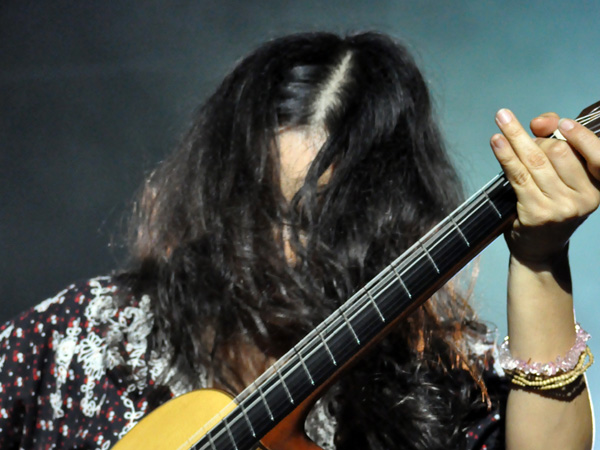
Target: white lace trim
[(97, 354), (487, 346), (7, 332), (58, 298), (5, 335), (132, 415), (65, 346)]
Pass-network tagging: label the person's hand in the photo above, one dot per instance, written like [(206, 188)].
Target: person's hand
[(556, 182)]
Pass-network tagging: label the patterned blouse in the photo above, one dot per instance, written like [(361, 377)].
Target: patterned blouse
[(62, 385)]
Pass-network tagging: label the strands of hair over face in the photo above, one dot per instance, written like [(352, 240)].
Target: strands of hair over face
[(211, 227)]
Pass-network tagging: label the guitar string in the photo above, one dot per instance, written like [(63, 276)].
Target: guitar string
[(591, 118), (592, 113), (357, 305)]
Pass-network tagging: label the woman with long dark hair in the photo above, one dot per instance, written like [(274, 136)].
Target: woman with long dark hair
[(315, 163)]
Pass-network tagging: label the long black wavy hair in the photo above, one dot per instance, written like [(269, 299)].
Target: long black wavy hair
[(212, 224)]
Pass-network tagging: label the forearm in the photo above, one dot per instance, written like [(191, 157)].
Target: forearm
[(541, 327)]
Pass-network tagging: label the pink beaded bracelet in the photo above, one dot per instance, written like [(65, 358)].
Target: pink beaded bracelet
[(507, 362)]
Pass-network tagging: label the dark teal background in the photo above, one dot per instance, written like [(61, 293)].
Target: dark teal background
[(93, 94)]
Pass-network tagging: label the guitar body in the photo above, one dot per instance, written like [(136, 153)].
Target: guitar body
[(176, 424), (182, 421)]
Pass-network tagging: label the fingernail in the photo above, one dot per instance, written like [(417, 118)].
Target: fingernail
[(503, 117), (566, 124), (497, 141)]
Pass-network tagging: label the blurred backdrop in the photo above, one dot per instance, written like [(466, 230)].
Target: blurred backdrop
[(94, 94)]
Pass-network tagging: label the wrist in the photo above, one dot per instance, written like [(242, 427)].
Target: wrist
[(537, 253), (555, 265)]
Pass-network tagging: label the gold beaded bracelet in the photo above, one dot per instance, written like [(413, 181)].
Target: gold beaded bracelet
[(561, 379)]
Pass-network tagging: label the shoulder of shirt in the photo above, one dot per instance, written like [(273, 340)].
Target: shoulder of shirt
[(96, 301), (98, 324), (89, 335), (95, 315)]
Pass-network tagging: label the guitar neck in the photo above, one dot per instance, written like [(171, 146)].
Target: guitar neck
[(400, 287), (397, 290)]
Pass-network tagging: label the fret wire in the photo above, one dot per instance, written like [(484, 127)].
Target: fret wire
[(477, 214), (416, 275), (219, 433), (212, 444), (469, 212), (305, 367), (289, 394), (247, 420), (329, 322), (357, 309), (355, 312), (378, 281), (477, 205), (464, 207), (374, 303), (327, 348), (250, 389), (375, 282), (388, 277), (401, 281), (230, 434), (260, 399), (444, 240), (349, 324), (211, 430), (429, 256), (492, 203), (459, 231), (412, 257), (441, 233), (264, 400)]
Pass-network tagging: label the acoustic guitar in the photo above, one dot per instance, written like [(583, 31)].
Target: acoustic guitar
[(270, 413)]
